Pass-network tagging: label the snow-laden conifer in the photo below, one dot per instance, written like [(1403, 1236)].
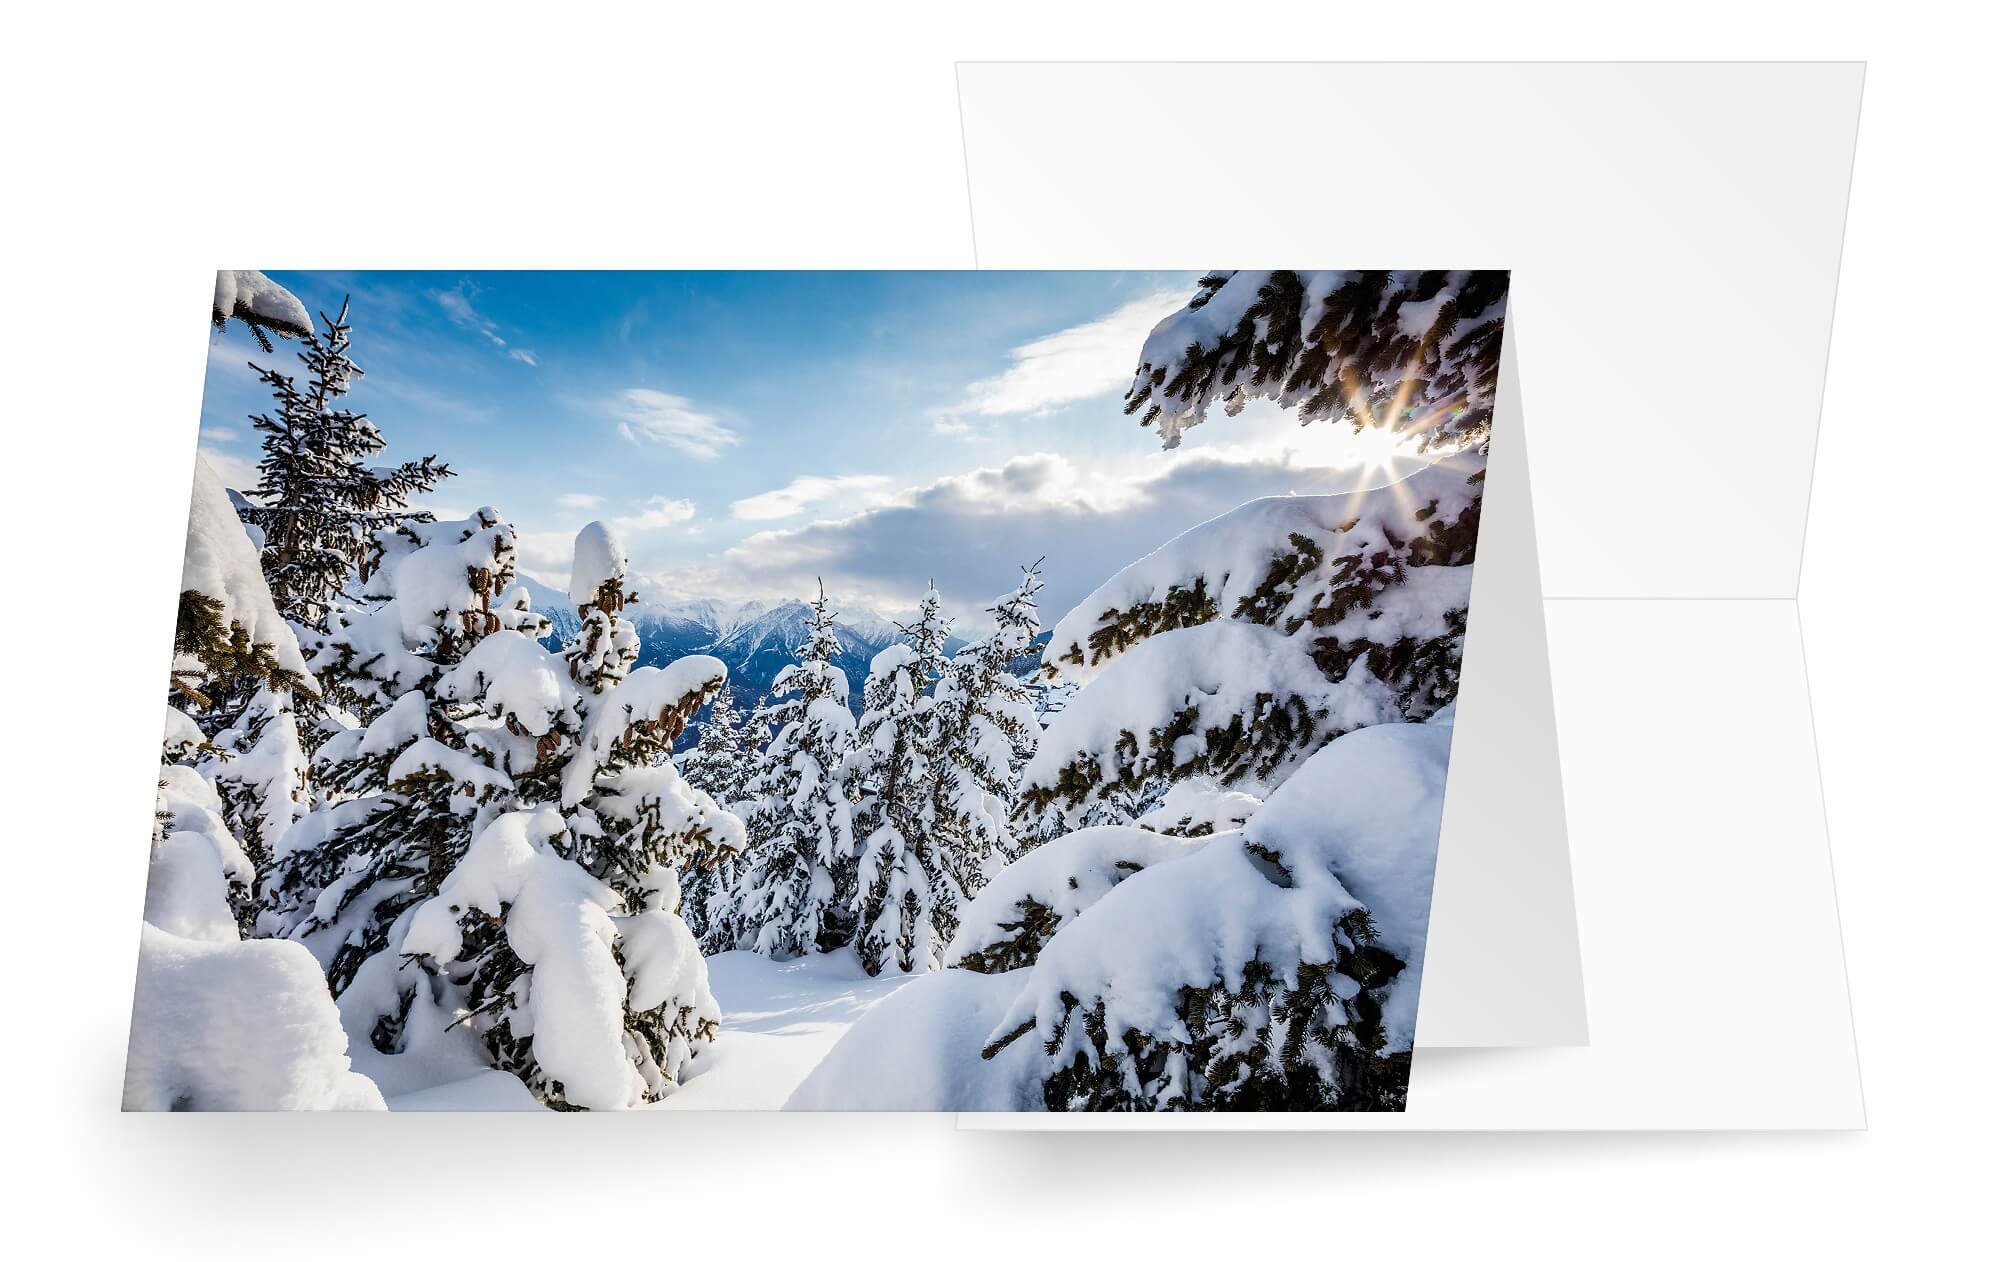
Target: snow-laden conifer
[(796, 893), (405, 789), (1273, 967), (907, 896), (317, 500), (512, 828), (987, 730), (722, 764)]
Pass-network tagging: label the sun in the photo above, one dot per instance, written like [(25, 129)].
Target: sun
[(1375, 447)]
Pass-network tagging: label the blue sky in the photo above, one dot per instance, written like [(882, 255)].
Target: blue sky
[(746, 432)]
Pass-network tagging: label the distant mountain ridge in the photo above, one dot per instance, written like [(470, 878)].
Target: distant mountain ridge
[(755, 639)]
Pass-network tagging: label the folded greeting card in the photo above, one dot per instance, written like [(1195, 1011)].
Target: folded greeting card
[(1009, 691)]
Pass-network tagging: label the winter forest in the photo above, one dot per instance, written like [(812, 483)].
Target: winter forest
[(1006, 691)]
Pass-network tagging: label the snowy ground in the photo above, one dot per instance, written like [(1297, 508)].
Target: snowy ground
[(779, 1020)]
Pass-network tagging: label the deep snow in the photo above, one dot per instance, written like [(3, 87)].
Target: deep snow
[(779, 1020)]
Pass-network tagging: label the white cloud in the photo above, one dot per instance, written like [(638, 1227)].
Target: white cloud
[(524, 356), (219, 434), (852, 491), (457, 304), (1080, 362), (653, 416), (578, 499), (659, 512)]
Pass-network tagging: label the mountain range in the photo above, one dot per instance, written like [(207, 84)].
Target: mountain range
[(754, 639)]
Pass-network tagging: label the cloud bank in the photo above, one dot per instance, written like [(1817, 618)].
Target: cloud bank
[(972, 532)]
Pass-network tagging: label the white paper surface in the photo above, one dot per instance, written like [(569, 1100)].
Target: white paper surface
[(1673, 233)]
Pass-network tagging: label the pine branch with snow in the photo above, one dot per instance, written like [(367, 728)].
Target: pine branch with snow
[(261, 305), (1414, 352)]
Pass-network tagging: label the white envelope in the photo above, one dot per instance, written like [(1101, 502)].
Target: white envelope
[(1673, 233)]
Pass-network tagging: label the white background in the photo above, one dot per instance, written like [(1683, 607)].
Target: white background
[(146, 147)]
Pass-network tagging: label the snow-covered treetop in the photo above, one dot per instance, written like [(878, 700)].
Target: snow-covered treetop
[(1017, 619), (261, 303), (600, 559), (814, 676), (222, 570), (1417, 352), (1285, 561)]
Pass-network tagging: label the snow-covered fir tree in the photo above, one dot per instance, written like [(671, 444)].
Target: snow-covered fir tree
[(722, 764), (1240, 647), (317, 501), (230, 642), (796, 891), (405, 789), (509, 822), (606, 645), (907, 896), (724, 759), (602, 826), (987, 729)]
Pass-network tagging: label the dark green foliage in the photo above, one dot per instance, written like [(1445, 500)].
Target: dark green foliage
[(1034, 924), (1262, 1046), (1120, 629), (1277, 731), (230, 661)]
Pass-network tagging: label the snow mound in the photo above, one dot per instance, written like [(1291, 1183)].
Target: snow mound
[(918, 1050), (236, 1025)]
